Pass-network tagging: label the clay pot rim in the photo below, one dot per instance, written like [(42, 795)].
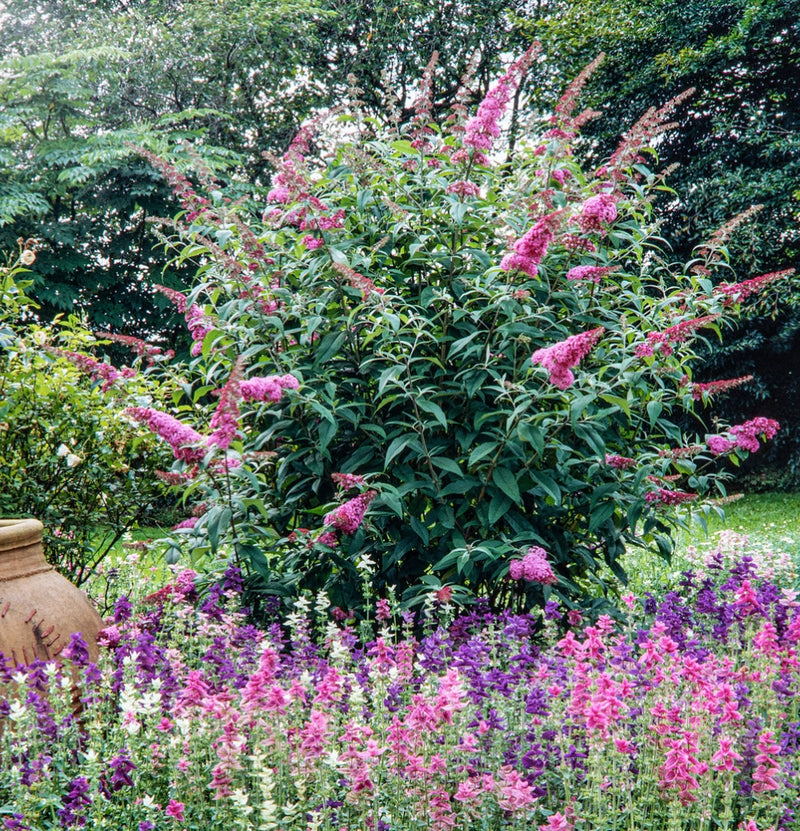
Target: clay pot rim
[(19, 532)]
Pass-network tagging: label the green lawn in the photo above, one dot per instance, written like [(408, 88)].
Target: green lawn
[(770, 522), (769, 517)]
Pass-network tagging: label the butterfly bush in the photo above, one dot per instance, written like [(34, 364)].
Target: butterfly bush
[(474, 335), (680, 714)]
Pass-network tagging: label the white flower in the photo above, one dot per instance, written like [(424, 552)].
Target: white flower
[(63, 450), (73, 460)]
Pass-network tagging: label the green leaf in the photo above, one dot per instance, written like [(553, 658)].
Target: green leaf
[(396, 446), (443, 463), (498, 507), (622, 403), (329, 346), (338, 256), (482, 451), (532, 435), (217, 521), (405, 147), (434, 409), (420, 530), (548, 484), (507, 482)]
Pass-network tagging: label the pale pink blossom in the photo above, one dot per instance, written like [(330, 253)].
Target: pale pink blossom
[(591, 273)]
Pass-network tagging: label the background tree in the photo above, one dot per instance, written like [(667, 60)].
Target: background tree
[(81, 80)]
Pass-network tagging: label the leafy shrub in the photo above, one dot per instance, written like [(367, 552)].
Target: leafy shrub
[(444, 363), (66, 457)]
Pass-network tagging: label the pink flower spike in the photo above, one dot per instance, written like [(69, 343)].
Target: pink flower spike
[(481, 130), (668, 497), (597, 213), (590, 273), (561, 357), (534, 567), (619, 462), (711, 388), (737, 292), (177, 434), (269, 388), (225, 421), (349, 516)]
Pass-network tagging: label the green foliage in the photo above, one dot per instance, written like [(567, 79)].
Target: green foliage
[(381, 290), (65, 456), (738, 148)]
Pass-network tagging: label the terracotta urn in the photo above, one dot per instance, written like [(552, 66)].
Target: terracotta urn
[(39, 609)]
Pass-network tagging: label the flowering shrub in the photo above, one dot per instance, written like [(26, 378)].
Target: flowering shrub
[(471, 340), (66, 457), (686, 717)]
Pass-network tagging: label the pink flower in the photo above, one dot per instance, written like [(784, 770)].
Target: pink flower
[(199, 325), (175, 297), (96, 369), (737, 292), (279, 194), (178, 435), (682, 767), (748, 433), (311, 242), (597, 212), (532, 246), (349, 516), (329, 538), (463, 188), (711, 388), (559, 358), (664, 341), (514, 793), (225, 421), (556, 822), (481, 130), (185, 523), (619, 462), (534, 567), (726, 757), (346, 481), (175, 810), (109, 637), (593, 273), (269, 388), (719, 445), (764, 775), (668, 497)]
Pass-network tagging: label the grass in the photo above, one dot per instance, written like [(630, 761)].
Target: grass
[(771, 518)]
